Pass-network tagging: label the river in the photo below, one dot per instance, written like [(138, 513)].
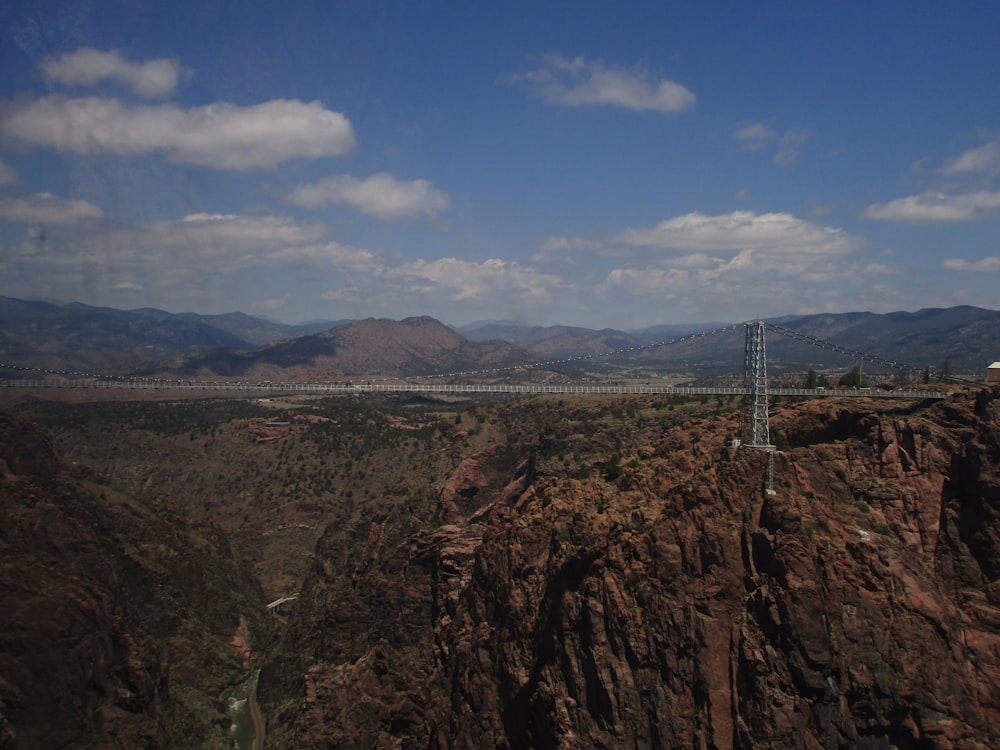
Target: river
[(247, 728)]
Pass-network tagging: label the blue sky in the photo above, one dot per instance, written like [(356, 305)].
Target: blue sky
[(553, 163)]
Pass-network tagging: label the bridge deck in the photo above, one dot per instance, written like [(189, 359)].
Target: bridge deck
[(463, 388)]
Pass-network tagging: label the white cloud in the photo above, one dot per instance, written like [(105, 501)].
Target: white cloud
[(329, 256), (642, 282), (882, 269), (381, 195), (47, 209), (224, 136), (756, 136), (983, 159), (193, 244), (87, 66), (166, 252), (451, 287), (469, 281), (8, 175), (969, 194), (771, 233), (749, 283), (578, 82), (199, 258), (732, 265), (990, 264), (788, 147), (938, 207), (218, 240)]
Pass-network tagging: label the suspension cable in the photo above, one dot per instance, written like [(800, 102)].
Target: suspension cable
[(812, 340)]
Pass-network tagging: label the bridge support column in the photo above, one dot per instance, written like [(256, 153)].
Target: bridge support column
[(756, 430)]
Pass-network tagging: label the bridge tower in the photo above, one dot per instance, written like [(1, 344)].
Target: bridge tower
[(756, 431), (755, 428)]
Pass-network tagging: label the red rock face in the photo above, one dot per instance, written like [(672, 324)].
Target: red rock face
[(668, 601)]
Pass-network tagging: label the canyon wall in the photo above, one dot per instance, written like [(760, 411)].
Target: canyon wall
[(628, 583), (116, 620)]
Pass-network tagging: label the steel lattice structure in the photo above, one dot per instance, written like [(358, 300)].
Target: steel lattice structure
[(756, 429), (756, 432)]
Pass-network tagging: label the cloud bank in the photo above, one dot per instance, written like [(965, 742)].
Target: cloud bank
[(381, 195), (773, 234), (47, 209), (222, 136)]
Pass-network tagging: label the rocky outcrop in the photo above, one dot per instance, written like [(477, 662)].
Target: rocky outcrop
[(630, 584), (263, 430)]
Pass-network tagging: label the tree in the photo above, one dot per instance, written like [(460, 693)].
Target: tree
[(853, 378), (613, 469), (812, 379), (944, 370)]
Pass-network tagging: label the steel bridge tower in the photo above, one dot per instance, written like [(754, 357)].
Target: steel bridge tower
[(756, 431)]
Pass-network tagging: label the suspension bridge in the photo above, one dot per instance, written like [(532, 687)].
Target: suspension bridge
[(755, 389)]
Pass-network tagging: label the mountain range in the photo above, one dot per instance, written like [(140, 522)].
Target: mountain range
[(75, 337)]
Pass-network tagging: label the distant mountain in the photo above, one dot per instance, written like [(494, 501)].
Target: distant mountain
[(553, 341), (667, 332), (80, 337), (414, 346), (968, 338), (254, 331), (76, 337)]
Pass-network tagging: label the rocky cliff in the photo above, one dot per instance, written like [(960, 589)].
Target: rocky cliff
[(116, 619), (617, 577)]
